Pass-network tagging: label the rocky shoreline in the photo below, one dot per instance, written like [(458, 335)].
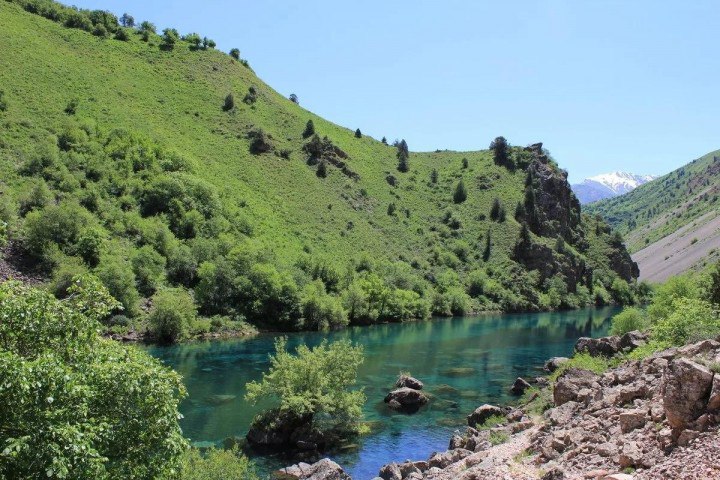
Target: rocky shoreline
[(649, 419)]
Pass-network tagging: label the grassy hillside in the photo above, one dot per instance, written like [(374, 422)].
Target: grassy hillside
[(670, 224), (121, 157)]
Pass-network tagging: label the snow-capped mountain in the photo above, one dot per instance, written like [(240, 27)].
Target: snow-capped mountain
[(608, 185)]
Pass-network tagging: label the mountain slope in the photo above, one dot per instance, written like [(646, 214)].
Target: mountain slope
[(128, 158), (608, 185), (671, 223)]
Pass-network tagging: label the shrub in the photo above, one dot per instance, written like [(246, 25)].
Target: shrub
[(149, 268), (71, 107), (691, 320), (170, 37), (173, 313), (216, 464), (80, 406), (122, 35), (229, 102), (322, 169), (194, 40), (321, 311), (460, 194), (434, 176), (118, 277), (235, 53), (55, 225), (3, 102), (629, 319), (259, 141), (315, 382)]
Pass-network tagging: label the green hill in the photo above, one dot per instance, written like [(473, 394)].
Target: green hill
[(671, 224), (127, 157)]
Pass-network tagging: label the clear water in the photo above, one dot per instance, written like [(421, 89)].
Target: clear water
[(464, 362)]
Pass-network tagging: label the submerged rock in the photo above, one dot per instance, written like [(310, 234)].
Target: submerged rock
[(459, 372)]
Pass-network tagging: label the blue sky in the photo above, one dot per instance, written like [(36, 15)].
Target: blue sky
[(606, 85)]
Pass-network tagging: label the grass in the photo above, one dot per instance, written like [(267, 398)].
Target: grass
[(498, 437), (584, 361), (491, 422), (277, 202)]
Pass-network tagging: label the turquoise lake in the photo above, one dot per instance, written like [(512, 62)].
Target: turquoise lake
[(463, 361)]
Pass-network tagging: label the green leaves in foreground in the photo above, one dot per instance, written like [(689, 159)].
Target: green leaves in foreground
[(315, 381), (75, 405)]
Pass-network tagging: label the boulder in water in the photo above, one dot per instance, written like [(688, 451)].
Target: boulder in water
[(406, 399), (406, 381)]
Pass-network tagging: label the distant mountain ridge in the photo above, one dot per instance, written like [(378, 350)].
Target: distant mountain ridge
[(608, 185)]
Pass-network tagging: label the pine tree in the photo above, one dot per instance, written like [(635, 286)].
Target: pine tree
[(309, 129), (465, 162), (460, 194), (488, 245), (235, 53), (496, 210), (501, 154), (403, 155), (434, 176), (358, 133), (384, 141)]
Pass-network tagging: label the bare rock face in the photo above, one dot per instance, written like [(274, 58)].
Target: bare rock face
[(324, 469), (686, 390), (482, 413)]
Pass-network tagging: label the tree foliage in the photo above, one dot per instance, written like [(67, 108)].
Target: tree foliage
[(315, 382), (76, 405), (460, 193)]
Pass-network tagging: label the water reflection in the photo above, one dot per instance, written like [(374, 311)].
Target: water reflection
[(463, 361)]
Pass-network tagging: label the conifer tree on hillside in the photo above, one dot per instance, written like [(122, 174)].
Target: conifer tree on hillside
[(358, 133), (384, 141), (501, 152), (460, 194), (434, 176), (488, 245), (403, 156), (309, 129)]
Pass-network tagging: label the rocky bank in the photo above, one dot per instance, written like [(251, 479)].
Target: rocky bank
[(655, 418)]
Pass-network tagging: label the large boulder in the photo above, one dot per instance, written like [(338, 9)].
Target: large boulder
[(482, 413), (324, 469), (596, 347), (686, 388), (406, 381), (576, 385), (406, 399)]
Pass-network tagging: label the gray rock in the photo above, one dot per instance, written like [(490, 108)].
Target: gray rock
[(442, 460), (324, 469), (519, 387), (686, 390), (482, 413), (633, 340), (554, 363), (406, 381), (391, 471), (632, 419), (596, 347), (410, 400), (574, 385)]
